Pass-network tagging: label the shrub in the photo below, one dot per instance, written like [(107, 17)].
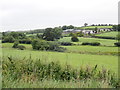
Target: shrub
[(25, 41), (40, 45), (21, 47), (24, 68), (46, 45), (117, 44), (8, 39), (71, 34), (66, 43), (85, 43), (74, 39), (91, 43), (95, 44), (15, 45)]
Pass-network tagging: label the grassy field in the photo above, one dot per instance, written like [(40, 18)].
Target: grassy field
[(96, 26), (104, 42), (108, 34), (74, 59), (91, 49), (71, 57)]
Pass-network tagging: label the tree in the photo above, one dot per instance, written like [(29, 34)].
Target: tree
[(51, 34), (9, 39), (116, 27), (47, 46), (71, 34), (74, 39), (64, 27), (70, 27), (85, 24), (96, 29)]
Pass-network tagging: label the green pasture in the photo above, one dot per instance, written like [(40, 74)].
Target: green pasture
[(91, 49), (74, 59), (96, 26), (108, 34), (80, 48), (104, 42)]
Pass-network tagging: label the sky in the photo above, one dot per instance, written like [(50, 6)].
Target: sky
[(37, 14)]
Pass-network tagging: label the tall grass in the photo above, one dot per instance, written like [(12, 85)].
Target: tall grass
[(29, 72)]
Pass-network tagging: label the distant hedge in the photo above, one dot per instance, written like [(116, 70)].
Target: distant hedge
[(66, 43), (104, 37), (11, 40), (91, 43), (25, 41)]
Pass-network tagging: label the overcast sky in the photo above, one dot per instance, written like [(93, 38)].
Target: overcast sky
[(34, 14)]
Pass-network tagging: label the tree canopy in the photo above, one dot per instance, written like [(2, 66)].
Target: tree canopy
[(52, 34)]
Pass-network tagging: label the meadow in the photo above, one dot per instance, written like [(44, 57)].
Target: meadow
[(108, 34), (72, 58), (104, 42)]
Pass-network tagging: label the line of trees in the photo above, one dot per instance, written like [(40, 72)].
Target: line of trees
[(101, 25), (67, 27)]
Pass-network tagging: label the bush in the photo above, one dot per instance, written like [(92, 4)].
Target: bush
[(24, 68), (25, 41), (15, 45), (40, 45), (21, 47), (66, 43), (8, 39), (85, 43), (46, 45), (95, 44), (54, 46), (117, 44), (74, 39), (92, 43)]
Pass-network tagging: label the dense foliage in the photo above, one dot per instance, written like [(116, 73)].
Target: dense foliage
[(74, 39), (30, 71), (25, 41), (10, 37), (116, 27), (47, 46), (67, 27), (52, 34)]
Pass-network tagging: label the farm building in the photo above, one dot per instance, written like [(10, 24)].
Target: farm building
[(105, 29), (75, 31)]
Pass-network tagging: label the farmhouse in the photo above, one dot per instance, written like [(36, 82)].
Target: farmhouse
[(75, 31)]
